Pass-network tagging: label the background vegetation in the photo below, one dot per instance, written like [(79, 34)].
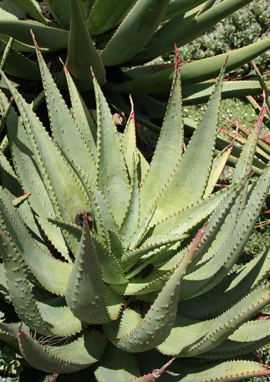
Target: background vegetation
[(247, 25)]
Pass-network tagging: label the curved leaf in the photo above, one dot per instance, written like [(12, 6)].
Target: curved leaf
[(134, 31), (48, 37), (105, 15), (85, 290), (183, 31), (66, 358), (80, 41), (200, 70)]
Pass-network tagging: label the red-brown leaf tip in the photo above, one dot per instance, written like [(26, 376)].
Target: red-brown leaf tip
[(64, 65), (176, 57)]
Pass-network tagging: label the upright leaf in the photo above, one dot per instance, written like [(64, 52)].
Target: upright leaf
[(183, 31), (20, 288), (85, 291), (134, 31), (105, 15), (112, 177), (59, 116), (65, 191), (80, 41), (189, 181), (168, 150), (64, 358), (31, 8)]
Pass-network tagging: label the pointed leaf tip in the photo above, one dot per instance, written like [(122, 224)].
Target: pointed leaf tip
[(156, 373), (176, 57), (34, 39), (260, 118), (226, 61), (196, 241), (21, 335), (64, 65), (93, 73), (132, 113)]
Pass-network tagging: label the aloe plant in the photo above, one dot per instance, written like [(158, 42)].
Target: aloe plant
[(117, 35), (121, 270)]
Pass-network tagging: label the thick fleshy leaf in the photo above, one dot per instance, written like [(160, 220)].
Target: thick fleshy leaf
[(116, 366), (31, 8), (66, 192), (132, 216), (192, 338), (51, 273), (230, 240), (168, 150), (183, 31), (233, 287), (112, 177), (180, 7), (84, 120), (208, 269), (246, 339), (80, 41), (218, 165), (65, 358), (206, 6), (47, 36), (244, 164), (105, 15), (184, 221), (135, 31), (112, 272), (59, 116), (224, 325), (30, 179), (183, 371), (189, 181), (8, 177), (157, 323), (20, 288), (60, 11), (85, 291), (62, 321), (8, 334), (129, 143), (18, 65), (159, 81)]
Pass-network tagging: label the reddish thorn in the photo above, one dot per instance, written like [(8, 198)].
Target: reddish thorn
[(21, 335), (52, 377), (266, 138), (230, 145), (34, 39), (27, 194), (225, 63), (164, 367), (265, 316), (267, 212), (85, 218), (266, 369), (259, 121), (131, 115), (93, 73), (221, 185), (196, 241), (64, 65), (176, 57), (157, 373)]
